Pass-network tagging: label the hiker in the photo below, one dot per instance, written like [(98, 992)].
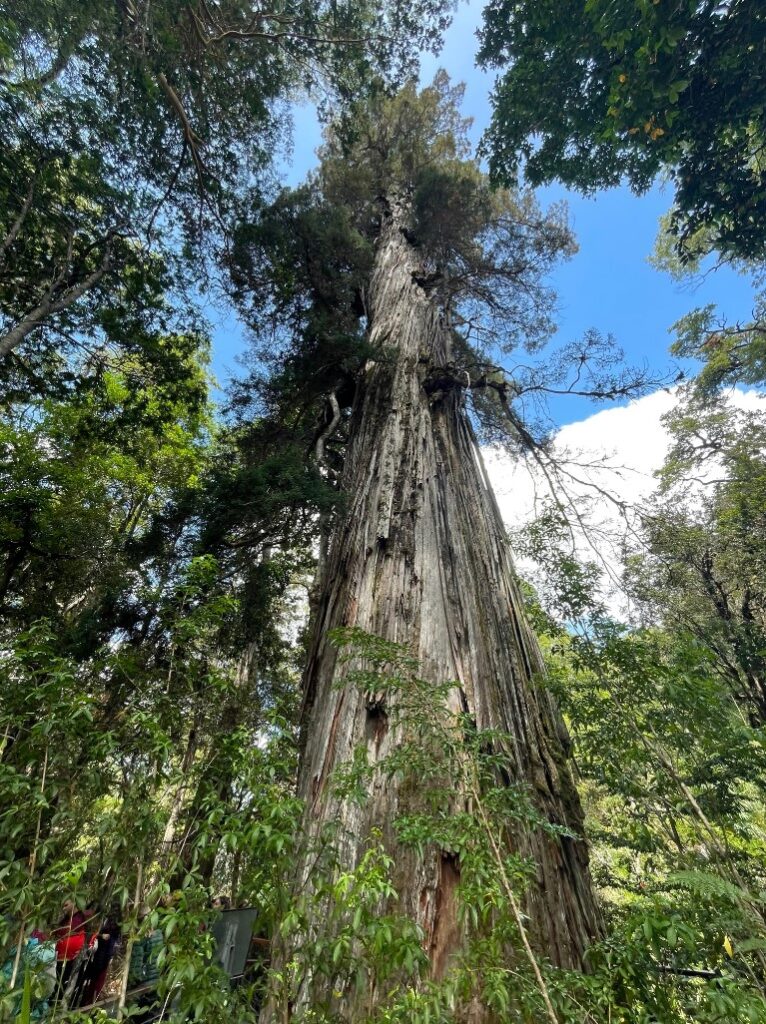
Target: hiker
[(69, 936), (103, 945)]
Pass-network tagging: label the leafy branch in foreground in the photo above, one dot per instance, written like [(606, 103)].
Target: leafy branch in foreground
[(660, 959)]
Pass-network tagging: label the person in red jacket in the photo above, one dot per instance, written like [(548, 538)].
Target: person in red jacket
[(69, 936)]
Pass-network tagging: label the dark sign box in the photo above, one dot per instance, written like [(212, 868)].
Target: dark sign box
[(232, 932)]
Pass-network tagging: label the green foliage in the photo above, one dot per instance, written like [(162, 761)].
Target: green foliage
[(148, 688), (640, 89), (78, 289), (356, 943), (298, 271), (348, 927), (183, 97), (673, 778), (301, 271), (130, 138), (83, 479), (153, 564), (25, 1013), (732, 353), (703, 568), (684, 941), (485, 253)]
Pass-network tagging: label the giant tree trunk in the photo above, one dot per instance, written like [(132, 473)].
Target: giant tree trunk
[(420, 558)]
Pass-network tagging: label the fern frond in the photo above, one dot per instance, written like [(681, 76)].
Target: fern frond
[(711, 886)]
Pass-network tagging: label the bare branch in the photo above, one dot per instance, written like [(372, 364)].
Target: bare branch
[(300, 36), (192, 140), (10, 238), (51, 304), (251, 32), (168, 191)]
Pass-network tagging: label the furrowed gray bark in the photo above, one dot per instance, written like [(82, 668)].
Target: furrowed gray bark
[(419, 556)]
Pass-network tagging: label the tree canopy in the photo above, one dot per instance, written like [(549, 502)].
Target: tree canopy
[(593, 92), (130, 134)]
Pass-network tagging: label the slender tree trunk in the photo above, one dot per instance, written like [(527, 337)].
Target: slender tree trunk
[(216, 779), (420, 558), (169, 839)]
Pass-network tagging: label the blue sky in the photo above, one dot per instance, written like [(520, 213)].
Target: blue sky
[(608, 285)]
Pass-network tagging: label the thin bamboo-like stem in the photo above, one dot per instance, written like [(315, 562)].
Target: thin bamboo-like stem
[(32, 865), (515, 908), (129, 944)]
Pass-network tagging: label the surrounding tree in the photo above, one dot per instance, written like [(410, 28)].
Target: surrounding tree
[(672, 776), (129, 133), (148, 685), (181, 96), (592, 92), (701, 567)]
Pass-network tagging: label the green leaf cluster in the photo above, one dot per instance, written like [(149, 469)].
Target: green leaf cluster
[(594, 91)]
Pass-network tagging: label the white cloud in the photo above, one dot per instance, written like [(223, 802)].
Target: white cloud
[(617, 450), (630, 442)]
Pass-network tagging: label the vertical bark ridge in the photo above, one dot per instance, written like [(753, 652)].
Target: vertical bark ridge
[(420, 558)]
